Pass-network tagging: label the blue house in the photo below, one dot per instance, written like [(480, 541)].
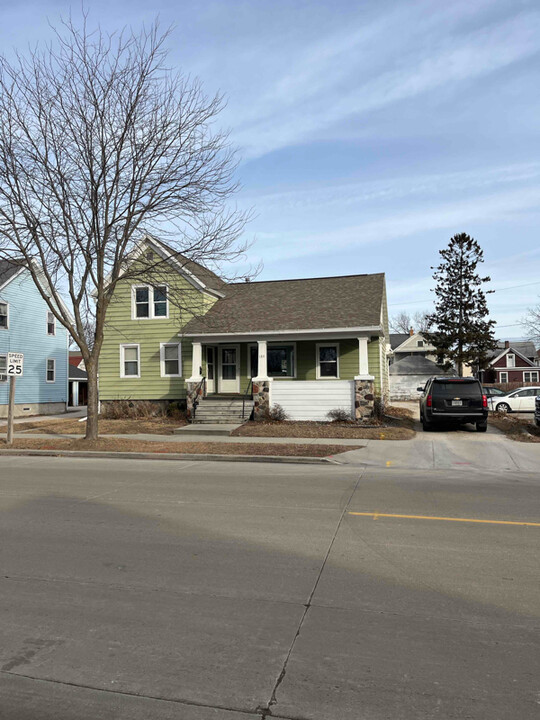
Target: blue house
[(27, 326)]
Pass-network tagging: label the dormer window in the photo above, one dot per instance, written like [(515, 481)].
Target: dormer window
[(419, 343), (510, 360), (150, 302)]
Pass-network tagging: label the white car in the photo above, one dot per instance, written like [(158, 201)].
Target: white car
[(521, 400)]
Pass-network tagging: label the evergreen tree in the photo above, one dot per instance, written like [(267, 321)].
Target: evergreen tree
[(459, 328)]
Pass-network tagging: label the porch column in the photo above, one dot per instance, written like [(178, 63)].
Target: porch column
[(363, 364), (75, 393), (196, 362), (262, 365)]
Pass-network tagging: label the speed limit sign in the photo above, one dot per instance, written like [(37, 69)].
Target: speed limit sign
[(15, 364)]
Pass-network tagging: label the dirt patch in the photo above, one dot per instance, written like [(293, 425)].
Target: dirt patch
[(71, 426), (183, 448), (516, 428), (346, 431)]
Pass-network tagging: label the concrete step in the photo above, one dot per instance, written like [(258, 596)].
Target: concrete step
[(212, 429)]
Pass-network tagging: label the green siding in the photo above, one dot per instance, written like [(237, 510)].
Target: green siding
[(149, 333)]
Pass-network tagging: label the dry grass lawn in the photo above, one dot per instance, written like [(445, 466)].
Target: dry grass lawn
[(71, 426), (516, 428), (323, 430), (183, 448)]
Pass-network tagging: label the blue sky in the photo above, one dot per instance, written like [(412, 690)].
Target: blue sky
[(370, 132)]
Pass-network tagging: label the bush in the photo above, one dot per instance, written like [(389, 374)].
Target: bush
[(130, 410), (378, 407), (275, 414), (340, 415)]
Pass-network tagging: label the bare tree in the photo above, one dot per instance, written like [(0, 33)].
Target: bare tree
[(531, 322), (402, 322), (101, 142)]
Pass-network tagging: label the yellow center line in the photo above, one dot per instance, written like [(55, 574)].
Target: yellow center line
[(376, 515)]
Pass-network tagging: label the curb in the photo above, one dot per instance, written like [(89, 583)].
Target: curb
[(294, 459)]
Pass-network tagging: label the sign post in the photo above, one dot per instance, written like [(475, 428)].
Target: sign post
[(14, 370)]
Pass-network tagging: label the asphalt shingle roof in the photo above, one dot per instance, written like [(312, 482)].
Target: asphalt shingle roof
[(7, 270), (313, 303), (415, 365), (397, 339)]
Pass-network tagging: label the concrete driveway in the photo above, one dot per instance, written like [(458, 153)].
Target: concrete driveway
[(222, 591)]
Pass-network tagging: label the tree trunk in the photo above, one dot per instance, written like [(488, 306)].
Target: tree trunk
[(93, 403)]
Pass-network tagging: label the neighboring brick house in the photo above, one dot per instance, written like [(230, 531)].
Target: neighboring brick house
[(513, 363), (310, 345)]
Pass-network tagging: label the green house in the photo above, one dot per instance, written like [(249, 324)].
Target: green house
[(309, 345)]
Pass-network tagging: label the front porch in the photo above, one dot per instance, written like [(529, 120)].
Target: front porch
[(308, 377)]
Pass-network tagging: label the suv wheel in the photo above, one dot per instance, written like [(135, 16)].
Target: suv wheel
[(481, 427), (426, 425), (503, 407)]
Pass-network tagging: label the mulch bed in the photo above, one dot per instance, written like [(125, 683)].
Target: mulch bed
[(343, 431), (71, 426), (516, 428), (183, 448)]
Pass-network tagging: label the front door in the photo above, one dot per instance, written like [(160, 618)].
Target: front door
[(229, 370), (211, 374)]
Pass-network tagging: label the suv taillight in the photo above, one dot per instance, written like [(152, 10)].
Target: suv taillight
[(484, 401), (428, 401)]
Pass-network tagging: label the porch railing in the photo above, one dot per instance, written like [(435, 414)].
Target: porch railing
[(200, 386)]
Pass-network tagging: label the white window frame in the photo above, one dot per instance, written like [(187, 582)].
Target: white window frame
[(47, 370), (151, 315), (162, 347), (5, 379), (508, 363), (531, 373), (2, 302), (501, 380), (318, 360), (122, 360), (47, 313)]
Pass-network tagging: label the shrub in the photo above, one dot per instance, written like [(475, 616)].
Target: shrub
[(340, 415), (378, 407), (131, 410), (275, 414)]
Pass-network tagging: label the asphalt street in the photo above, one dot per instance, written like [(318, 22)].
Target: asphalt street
[(209, 591)]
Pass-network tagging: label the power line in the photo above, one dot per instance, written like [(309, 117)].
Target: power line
[(512, 287)]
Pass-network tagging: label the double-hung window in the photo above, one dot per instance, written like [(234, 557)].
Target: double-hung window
[(171, 362), (51, 323), (531, 376), (150, 302), (3, 368), (503, 377), (4, 316), (51, 370), (327, 361), (129, 361)]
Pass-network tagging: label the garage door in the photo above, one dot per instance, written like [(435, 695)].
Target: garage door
[(311, 400)]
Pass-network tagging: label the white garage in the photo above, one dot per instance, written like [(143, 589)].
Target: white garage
[(312, 399)]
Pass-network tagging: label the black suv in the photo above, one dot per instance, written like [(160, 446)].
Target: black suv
[(453, 398), (537, 410)]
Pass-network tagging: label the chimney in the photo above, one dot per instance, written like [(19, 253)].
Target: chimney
[(411, 332), (506, 344)]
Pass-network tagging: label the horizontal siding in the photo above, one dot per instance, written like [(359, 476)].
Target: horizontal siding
[(27, 333), (149, 334), (312, 400)]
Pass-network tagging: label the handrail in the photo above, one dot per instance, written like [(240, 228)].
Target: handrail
[(250, 384), (195, 399)]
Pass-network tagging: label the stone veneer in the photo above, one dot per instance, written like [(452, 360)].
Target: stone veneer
[(261, 399), (195, 391), (364, 395)]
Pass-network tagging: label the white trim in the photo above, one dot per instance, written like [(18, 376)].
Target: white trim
[(531, 372), (123, 346), (162, 347), (4, 302), (515, 352), (151, 301), (226, 346), (508, 356), (338, 333), (4, 355), (268, 345), (196, 362), (318, 346), (47, 370), (47, 313), (501, 373)]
